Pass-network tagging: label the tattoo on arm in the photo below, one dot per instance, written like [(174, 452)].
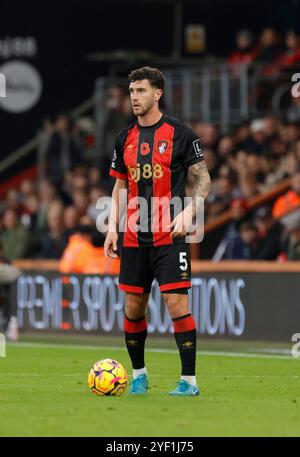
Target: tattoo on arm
[(199, 181)]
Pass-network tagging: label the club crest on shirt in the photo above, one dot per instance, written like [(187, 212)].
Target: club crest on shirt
[(162, 146)]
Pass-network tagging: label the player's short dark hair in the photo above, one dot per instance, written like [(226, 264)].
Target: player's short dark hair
[(154, 76)]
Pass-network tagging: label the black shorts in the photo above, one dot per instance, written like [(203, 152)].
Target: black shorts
[(169, 264)]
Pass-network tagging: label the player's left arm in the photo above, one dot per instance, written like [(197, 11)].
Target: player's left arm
[(199, 182)]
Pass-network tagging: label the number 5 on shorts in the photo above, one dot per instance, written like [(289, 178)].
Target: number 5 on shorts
[(183, 261)]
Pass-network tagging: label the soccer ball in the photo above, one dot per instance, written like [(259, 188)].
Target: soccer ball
[(107, 377)]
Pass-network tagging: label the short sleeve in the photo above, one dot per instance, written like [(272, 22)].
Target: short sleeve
[(192, 148), (118, 169)]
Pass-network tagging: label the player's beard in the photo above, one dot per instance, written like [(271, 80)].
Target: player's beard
[(143, 111)]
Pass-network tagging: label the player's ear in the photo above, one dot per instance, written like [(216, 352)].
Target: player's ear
[(158, 94)]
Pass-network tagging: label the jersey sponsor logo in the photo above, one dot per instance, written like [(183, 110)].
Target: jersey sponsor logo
[(145, 149), (162, 146), (197, 148), (146, 172)]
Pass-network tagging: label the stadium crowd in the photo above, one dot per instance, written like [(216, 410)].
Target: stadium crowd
[(39, 219), (275, 51)]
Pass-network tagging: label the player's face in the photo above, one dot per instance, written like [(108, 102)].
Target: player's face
[(143, 96)]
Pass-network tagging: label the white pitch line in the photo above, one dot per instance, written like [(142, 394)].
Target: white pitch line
[(153, 375), (250, 355)]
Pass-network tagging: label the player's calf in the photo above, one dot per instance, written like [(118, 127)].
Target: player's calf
[(186, 338), (135, 337)]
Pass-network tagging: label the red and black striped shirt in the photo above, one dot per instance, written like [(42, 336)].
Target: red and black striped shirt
[(154, 160)]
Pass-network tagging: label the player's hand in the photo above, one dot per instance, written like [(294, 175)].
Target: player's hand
[(110, 245), (181, 223)]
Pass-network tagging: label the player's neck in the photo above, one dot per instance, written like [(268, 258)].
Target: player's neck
[(150, 118)]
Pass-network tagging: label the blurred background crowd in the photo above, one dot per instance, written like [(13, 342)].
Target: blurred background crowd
[(232, 75), (38, 217), (253, 209)]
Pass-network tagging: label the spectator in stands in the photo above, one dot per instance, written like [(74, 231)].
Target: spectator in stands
[(270, 46), (270, 234), (271, 126), (296, 150), (70, 219), (81, 201), (84, 254), (44, 136), (96, 193), (287, 60), (55, 239), (293, 246), (85, 129), (115, 120), (290, 200), (257, 128), (289, 133), (8, 276), (231, 246), (27, 188), (243, 138), (48, 194), (94, 176), (246, 50), (208, 134), (64, 151), (293, 111), (79, 182), (86, 220), (225, 148), (244, 245), (14, 237), (13, 200), (222, 192), (29, 218), (248, 187), (272, 173)]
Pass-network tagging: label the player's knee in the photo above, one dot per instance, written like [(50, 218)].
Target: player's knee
[(135, 305), (177, 304)]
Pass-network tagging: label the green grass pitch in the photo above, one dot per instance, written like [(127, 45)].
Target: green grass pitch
[(44, 392)]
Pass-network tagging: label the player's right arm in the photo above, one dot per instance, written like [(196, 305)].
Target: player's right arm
[(118, 170), (110, 244)]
